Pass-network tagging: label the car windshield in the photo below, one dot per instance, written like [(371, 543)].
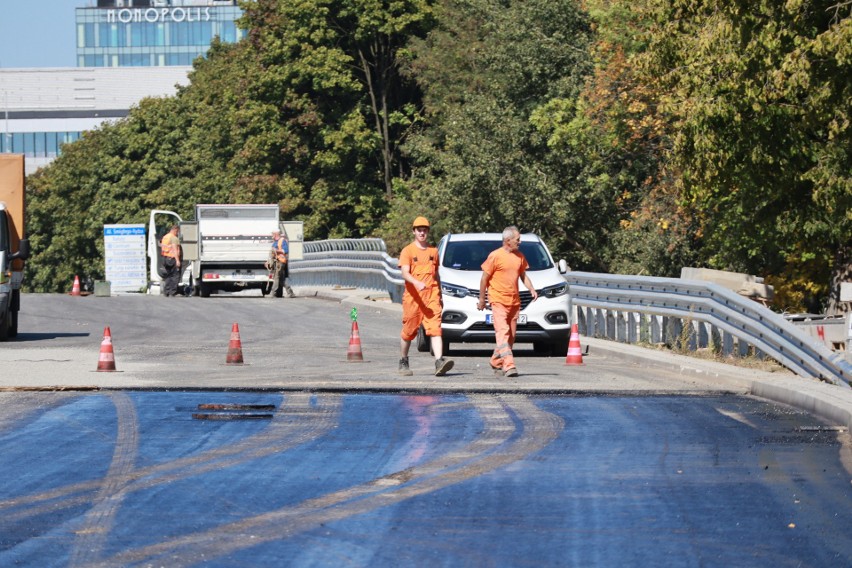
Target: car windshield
[(469, 255)]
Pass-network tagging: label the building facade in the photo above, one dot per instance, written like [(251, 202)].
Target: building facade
[(45, 108), (127, 50), (152, 33)]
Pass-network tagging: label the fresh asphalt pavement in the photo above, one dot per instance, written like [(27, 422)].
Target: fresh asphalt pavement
[(301, 457)]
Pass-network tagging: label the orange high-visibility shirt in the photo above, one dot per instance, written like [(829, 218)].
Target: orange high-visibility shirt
[(505, 268), (170, 245), (423, 265)]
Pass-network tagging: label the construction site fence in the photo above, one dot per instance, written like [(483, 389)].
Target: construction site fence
[(685, 315)]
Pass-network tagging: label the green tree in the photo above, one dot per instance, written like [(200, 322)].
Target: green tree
[(110, 175), (307, 112), (758, 95), (485, 71), (328, 77), (615, 131)]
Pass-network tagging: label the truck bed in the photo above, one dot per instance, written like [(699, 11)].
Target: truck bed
[(243, 248)]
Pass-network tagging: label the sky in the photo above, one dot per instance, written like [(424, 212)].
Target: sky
[(38, 33)]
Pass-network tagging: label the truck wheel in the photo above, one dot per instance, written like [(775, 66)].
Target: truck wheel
[(5, 324), (13, 313), (204, 289)]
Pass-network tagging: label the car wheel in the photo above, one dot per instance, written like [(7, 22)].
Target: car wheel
[(424, 345)]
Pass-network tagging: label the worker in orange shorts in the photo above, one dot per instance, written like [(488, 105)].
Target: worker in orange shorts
[(500, 274), (421, 302)]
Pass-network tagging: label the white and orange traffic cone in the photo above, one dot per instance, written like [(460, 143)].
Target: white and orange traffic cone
[(235, 347), (354, 352), (106, 359), (75, 289), (575, 352)]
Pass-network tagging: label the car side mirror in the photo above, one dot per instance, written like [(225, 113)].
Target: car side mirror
[(23, 250), (563, 266)]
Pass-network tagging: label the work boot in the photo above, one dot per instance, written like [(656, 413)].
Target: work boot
[(290, 293), (512, 372), (442, 366), (403, 367)]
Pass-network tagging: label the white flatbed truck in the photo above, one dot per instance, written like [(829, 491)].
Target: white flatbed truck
[(224, 248)]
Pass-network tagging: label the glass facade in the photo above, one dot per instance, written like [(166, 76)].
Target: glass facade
[(128, 33), (36, 144), (141, 33)]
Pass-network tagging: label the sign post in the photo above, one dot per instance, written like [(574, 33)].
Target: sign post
[(124, 257)]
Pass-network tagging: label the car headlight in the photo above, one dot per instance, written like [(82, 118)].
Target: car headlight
[(453, 290), (555, 291)]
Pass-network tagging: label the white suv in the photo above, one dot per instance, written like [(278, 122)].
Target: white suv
[(546, 323)]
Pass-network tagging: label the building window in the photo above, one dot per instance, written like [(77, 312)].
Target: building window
[(116, 31)]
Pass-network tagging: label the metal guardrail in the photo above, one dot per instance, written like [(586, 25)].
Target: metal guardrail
[(694, 314), (359, 263), (688, 314)]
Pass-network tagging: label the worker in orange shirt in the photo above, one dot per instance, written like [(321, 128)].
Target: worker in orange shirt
[(421, 302), (170, 247), (499, 283), (277, 263)]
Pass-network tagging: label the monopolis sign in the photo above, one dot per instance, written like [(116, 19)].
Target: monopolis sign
[(153, 15)]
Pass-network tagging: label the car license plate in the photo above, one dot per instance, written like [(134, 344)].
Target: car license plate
[(489, 319)]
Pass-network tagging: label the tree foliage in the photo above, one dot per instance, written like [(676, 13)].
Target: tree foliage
[(635, 136), (480, 164), (758, 95), (307, 112), (616, 132)]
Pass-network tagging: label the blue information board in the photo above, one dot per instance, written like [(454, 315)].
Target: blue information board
[(124, 258)]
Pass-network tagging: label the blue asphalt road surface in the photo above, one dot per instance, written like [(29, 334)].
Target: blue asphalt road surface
[(140, 478)]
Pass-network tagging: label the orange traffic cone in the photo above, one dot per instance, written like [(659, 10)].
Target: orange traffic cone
[(235, 347), (75, 289), (106, 359), (354, 352), (575, 353)]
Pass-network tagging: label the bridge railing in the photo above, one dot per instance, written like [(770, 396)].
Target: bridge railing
[(357, 263), (692, 314), (686, 314)]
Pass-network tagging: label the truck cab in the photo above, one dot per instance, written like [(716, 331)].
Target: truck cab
[(14, 248)]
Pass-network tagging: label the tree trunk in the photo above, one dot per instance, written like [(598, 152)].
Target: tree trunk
[(841, 272), (378, 100)]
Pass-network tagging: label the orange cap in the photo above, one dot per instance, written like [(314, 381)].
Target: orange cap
[(420, 222)]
